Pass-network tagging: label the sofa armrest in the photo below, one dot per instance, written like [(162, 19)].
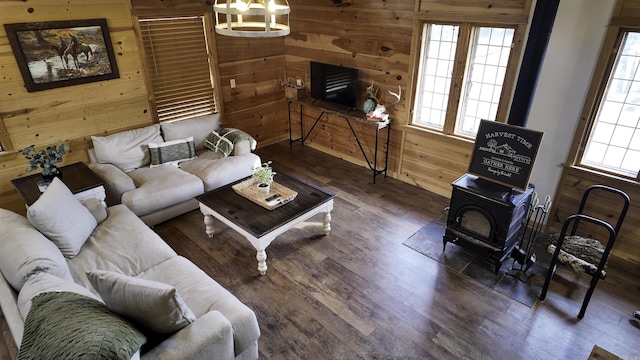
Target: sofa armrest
[(242, 147), (116, 181), (9, 306), (209, 334)]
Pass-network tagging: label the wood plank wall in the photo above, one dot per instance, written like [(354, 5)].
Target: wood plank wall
[(72, 113), (575, 180), (377, 38), (371, 36)]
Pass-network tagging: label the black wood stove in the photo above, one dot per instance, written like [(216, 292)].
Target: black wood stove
[(486, 218)]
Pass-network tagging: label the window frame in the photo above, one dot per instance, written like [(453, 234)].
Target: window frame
[(461, 61), (211, 53), (606, 63), (5, 142)]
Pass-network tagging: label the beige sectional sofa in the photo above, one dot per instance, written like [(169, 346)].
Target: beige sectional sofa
[(66, 247), (158, 193)]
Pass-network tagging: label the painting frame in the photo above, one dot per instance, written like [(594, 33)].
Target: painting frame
[(44, 61), (505, 153)]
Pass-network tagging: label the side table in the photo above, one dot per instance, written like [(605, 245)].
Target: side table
[(82, 182)]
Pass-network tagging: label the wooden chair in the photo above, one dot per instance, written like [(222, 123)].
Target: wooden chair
[(582, 253)]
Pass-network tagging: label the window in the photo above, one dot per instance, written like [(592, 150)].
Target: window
[(614, 141), (471, 60), (178, 65)]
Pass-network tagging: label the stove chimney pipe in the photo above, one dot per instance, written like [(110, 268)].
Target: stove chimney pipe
[(541, 24)]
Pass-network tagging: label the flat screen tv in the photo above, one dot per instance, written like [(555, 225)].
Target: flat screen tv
[(335, 84)]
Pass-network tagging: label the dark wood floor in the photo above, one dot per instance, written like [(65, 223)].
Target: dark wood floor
[(360, 294)]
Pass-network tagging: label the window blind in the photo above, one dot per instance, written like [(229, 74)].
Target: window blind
[(177, 63)]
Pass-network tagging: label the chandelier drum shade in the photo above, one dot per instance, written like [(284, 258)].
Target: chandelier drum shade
[(252, 18)]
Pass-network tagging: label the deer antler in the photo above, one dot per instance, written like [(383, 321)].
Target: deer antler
[(396, 95)]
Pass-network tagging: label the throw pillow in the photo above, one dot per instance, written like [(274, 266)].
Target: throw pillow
[(127, 150), (62, 218), (154, 305), (65, 325), (24, 251), (172, 152), (222, 141), (42, 283), (198, 127)]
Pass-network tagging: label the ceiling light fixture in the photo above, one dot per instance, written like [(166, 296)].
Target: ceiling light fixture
[(252, 18)]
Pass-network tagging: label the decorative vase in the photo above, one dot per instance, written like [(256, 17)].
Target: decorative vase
[(53, 172), (368, 106), (264, 188)]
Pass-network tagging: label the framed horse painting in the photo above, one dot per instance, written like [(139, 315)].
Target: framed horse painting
[(61, 53)]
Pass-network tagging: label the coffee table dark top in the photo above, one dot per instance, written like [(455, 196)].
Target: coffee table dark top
[(257, 220), (78, 177)]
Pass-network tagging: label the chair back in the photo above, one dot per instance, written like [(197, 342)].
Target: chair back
[(596, 188)]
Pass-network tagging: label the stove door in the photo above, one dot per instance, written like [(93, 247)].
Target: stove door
[(476, 222)]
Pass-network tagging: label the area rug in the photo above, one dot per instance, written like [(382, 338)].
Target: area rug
[(511, 279)]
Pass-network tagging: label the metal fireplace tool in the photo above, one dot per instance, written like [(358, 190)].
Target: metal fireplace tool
[(524, 254)]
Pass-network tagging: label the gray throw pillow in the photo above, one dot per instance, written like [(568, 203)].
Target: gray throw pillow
[(172, 152), (62, 218), (198, 127), (155, 305), (127, 150)]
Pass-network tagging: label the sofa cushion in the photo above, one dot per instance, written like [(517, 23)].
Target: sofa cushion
[(172, 152), (198, 127), (203, 294), (24, 251), (160, 187), (215, 172), (62, 218), (43, 282), (127, 149), (121, 243), (155, 305)]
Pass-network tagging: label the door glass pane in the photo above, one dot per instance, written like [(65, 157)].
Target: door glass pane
[(434, 77), (490, 50), (614, 140)]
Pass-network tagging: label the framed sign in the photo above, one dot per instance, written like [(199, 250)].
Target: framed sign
[(505, 153), (61, 53)]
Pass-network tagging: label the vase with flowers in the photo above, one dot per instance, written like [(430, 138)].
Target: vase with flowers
[(47, 159), (263, 176)]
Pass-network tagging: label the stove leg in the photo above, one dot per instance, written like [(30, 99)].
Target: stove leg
[(498, 265), (444, 244)]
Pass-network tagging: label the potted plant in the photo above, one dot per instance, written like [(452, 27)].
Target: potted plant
[(47, 159), (263, 176)]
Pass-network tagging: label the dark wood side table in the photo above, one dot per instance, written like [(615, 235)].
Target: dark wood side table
[(82, 182)]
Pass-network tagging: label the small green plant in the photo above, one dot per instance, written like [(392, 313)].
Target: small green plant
[(47, 158), (263, 173)]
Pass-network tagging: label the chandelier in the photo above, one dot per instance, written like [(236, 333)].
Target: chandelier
[(252, 18)]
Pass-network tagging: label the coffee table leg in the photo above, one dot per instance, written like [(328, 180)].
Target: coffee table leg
[(327, 222), (208, 223), (262, 261)]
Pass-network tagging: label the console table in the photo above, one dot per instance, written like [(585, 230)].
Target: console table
[(348, 116), (82, 182)]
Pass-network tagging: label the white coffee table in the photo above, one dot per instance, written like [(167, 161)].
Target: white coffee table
[(259, 225)]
